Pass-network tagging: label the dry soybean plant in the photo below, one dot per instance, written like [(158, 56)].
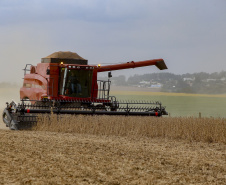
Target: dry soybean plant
[(188, 128)]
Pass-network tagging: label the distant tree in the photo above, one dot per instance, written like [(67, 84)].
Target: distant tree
[(119, 80), (134, 80), (183, 87), (222, 74), (175, 83), (214, 75)]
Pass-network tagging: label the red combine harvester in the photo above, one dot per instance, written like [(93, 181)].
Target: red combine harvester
[(64, 83)]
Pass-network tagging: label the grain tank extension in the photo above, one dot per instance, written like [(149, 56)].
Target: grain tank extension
[(64, 83)]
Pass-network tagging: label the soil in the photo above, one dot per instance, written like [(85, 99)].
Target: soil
[(33, 157)]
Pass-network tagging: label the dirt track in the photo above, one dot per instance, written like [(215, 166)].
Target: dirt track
[(28, 157)]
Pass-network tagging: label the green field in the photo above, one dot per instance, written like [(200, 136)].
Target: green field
[(178, 104)]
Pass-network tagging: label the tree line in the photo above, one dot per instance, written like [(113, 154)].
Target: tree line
[(204, 83)]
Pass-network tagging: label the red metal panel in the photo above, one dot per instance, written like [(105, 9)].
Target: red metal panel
[(132, 65)]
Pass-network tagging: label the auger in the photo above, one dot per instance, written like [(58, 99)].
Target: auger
[(64, 83)]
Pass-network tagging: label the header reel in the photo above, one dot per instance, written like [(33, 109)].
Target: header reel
[(18, 116)]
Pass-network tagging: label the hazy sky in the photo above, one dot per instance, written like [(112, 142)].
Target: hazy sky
[(190, 35)]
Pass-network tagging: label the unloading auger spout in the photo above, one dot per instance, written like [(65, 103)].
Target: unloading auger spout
[(157, 62)]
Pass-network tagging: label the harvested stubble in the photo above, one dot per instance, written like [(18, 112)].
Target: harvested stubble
[(192, 129), (67, 158)]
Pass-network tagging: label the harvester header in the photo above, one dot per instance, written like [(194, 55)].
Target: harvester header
[(64, 83)]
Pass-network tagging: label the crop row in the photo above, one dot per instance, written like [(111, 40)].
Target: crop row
[(186, 128)]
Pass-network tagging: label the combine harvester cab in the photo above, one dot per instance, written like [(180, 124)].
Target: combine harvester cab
[(64, 83)]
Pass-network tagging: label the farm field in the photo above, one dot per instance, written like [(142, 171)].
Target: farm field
[(180, 104), (34, 157), (191, 129), (114, 150)]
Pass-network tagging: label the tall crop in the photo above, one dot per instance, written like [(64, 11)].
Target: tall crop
[(192, 129)]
